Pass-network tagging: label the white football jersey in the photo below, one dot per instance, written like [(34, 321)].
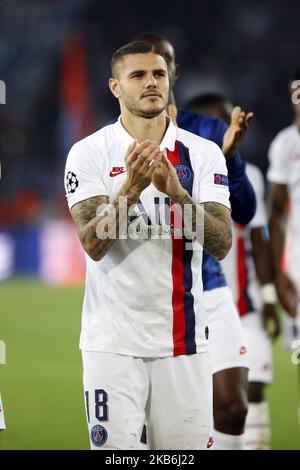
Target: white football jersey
[(284, 158), (238, 265), (144, 297)]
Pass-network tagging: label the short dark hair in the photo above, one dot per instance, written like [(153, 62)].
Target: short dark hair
[(295, 73), (207, 99), (149, 36), (135, 47)]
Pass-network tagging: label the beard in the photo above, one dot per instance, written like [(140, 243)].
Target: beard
[(146, 113)]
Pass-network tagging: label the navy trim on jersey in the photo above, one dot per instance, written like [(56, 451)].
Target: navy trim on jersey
[(189, 312), (244, 302)]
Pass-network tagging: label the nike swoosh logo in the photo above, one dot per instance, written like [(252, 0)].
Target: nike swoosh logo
[(116, 173)]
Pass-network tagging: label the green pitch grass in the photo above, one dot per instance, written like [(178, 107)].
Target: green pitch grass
[(41, 383)]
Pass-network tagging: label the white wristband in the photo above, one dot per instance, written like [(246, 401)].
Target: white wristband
[(268, 294)]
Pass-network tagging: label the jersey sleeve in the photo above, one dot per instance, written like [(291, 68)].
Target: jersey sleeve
[(279, 162), (213, 178), (83, 175), (256, 178)]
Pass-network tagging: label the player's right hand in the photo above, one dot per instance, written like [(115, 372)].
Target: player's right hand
[(141, 160), (270, 319), (287, 294)]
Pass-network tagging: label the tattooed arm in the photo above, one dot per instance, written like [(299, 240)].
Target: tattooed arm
[(84, 216), (140, 162), (89, 221), (286, 289), (217, 229), (211, 222)]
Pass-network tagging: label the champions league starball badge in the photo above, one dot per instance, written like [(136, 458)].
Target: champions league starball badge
[(71, 182)]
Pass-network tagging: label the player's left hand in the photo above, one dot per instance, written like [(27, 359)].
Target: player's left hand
[(271, 321), (165, 179), (240, 121)]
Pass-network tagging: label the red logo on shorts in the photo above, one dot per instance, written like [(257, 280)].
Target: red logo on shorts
[(243, 350), (210, 442)]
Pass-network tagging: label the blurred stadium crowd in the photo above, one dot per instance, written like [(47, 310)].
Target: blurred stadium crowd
[(55, 62)]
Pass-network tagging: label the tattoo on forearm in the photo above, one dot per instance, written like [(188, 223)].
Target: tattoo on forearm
[(211, 223), (90, 222), (217, 229), (86, 210)]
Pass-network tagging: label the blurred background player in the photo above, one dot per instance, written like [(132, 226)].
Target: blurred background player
[(250, 259), (284, 177), (227, 344)]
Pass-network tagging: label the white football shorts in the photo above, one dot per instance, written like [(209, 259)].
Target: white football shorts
[(259, 349), (227, 342), (172, 395)]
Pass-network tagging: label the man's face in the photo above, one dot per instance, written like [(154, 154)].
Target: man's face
[(142, 84)]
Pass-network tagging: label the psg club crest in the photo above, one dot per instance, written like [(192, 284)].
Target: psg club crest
[(98, 435), (184, 173), (71, 182)]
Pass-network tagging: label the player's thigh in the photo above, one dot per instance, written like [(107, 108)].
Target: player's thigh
[(259, 349), (179, 415), (227, 342), (230, 389), (115, 392)]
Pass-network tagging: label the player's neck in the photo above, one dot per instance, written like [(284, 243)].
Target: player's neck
[(142, 129)]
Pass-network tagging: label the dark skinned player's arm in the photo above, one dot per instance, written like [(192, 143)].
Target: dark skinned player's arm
[(242, 195), (262, 258), (279, 198), (285, 288)]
